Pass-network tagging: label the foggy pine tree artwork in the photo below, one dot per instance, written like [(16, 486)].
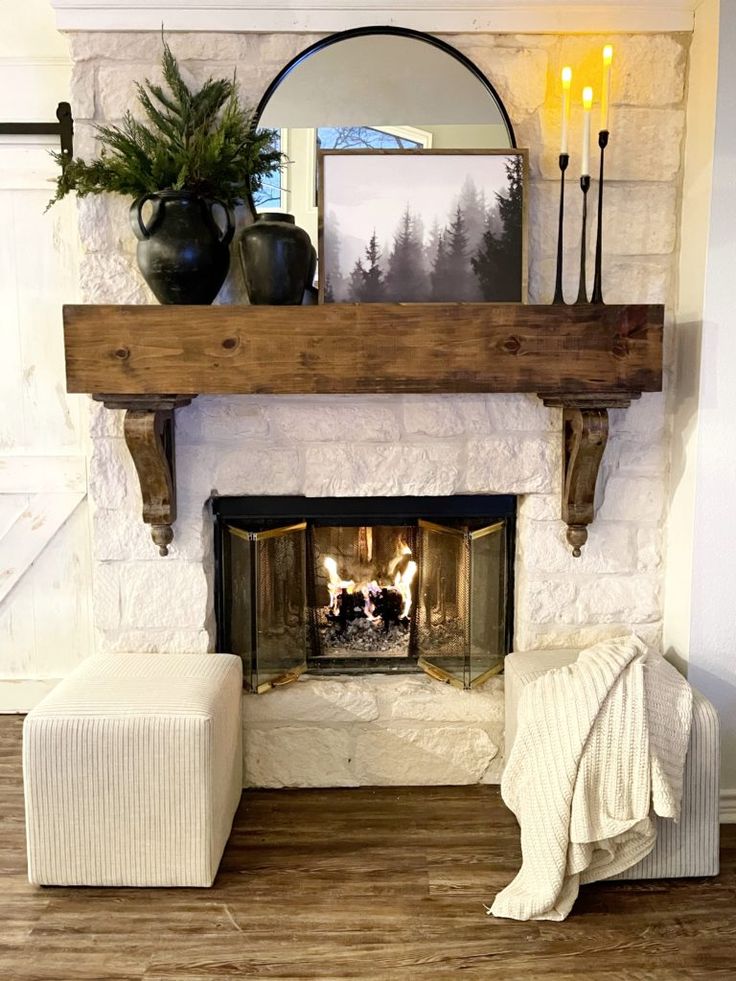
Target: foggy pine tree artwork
[(422, 226)]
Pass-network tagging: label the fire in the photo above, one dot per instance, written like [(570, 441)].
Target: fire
[(336, 584), (403, 552), (366, 596), (403, 582)]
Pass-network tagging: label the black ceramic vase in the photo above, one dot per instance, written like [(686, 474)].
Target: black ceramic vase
[(182, 252), (278, 260)]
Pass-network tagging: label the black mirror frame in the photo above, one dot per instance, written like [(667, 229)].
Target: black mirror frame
[(380, 31)]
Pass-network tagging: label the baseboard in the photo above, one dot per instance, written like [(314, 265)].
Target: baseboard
[(19, 695), (728, 806)]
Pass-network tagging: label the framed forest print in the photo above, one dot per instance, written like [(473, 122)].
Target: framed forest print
[(422, 226)]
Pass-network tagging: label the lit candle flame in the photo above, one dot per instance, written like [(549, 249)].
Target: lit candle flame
[(606, 87)]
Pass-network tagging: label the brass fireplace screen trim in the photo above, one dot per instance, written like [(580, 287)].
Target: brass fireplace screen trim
[(450, 679), (261, 536)]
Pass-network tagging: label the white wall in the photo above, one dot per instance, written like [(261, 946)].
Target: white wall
[(29, 30), (684, 389), (45, 621), (700, 595), (712, 642), (35, 67)]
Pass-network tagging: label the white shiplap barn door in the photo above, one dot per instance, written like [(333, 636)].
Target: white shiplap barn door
[(45, 605)]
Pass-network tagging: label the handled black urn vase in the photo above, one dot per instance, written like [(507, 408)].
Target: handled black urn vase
[(183, 254), (278, 260)]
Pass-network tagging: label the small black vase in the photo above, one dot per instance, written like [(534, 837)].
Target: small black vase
[(182, 253), (277, 258)]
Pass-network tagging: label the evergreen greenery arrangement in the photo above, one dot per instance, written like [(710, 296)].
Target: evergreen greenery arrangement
[(201, 142)]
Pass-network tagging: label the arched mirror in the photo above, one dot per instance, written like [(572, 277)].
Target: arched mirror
[(373, 88)]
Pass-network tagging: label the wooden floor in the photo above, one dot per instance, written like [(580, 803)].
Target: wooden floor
[(336, 884)]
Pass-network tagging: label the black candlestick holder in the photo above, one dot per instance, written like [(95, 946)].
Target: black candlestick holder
[(582, 288), (558, 297), (597, 296)]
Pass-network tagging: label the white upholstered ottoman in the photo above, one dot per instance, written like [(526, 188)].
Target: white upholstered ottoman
[(132, 769), (688, 848)]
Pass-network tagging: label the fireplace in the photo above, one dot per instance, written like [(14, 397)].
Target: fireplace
[(393, 727), (358, 585)]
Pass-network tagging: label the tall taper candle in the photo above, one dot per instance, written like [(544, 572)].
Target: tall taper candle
[(585, 156), (606, 87), (566, 82)]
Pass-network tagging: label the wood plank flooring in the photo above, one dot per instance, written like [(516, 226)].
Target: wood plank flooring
[(341, 884)]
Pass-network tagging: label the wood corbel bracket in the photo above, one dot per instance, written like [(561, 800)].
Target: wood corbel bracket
[(149, 435), (584, 438)]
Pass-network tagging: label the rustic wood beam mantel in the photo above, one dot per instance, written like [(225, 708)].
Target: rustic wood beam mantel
[(370, 348), (583, 358)]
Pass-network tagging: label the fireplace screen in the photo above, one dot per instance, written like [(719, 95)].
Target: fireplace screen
[(268, 606), (359, 586)]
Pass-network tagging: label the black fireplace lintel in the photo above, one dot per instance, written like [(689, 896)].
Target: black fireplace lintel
[(361, 510)]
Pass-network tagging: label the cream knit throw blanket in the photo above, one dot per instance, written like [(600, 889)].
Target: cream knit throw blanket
[(599, 745)]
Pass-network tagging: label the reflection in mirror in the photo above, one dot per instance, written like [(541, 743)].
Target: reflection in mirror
[(379, 88)]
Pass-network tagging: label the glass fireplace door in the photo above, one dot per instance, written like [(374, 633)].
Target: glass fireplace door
[(487, 600), (269, 630), (442, 611), (461, 624)]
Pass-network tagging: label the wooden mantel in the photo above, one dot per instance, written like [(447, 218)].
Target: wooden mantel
[(151, 359), (371, 348)]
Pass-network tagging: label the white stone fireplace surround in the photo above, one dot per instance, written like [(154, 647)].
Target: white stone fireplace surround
[(405, 729)]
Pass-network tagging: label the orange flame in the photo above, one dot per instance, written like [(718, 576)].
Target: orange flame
[(336, 584), (402, 583)]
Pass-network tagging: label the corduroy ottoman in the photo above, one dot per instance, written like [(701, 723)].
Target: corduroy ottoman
[(687, 848), (132, 769)]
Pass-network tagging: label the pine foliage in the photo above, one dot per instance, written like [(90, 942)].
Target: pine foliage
[(406, 276), (203, 142), (366, 282), (496, 263)]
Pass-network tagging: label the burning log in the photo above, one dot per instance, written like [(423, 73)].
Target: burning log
[(349, 606), (384, 604), (389, 606)]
